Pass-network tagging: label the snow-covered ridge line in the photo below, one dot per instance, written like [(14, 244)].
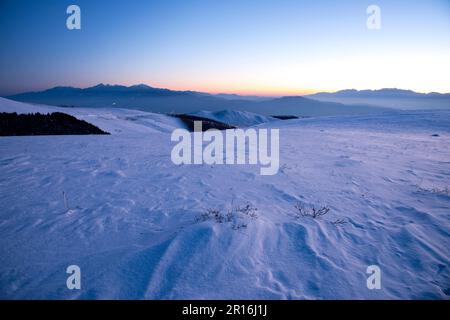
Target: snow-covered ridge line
[(113, 120), (235, 118)]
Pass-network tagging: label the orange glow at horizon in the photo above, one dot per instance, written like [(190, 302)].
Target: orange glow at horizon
[(269, 92), (263, 91), (308, 77)]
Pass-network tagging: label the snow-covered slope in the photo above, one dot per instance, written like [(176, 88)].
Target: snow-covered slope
[(115, 121), (132, 223), (235, 118), (7, 105)]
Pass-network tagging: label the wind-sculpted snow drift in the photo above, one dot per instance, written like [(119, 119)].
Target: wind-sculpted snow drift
[(132, 219)]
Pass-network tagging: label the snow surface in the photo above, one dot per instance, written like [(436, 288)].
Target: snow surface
[(114, 121), (132, 224), (235, 118)]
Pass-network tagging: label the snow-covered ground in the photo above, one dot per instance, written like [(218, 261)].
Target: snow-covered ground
[(133, 222), (235, 118)]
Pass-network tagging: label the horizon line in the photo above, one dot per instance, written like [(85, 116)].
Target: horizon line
[(299, 92)]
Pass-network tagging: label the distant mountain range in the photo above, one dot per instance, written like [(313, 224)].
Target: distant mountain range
[(143, 97), (390, 98)]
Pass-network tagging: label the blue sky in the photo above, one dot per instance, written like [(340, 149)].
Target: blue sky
[(248, 46)]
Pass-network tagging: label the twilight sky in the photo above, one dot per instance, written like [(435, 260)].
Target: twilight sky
[(277, 47)]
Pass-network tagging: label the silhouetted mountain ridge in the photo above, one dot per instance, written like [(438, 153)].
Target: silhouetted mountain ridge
[(387, 97), (386, 92), (146, 98)]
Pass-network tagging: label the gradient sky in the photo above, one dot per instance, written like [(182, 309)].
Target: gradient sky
[(276, 47)]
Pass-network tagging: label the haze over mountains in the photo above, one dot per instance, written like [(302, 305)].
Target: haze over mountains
[(146, 98), (389, 98)]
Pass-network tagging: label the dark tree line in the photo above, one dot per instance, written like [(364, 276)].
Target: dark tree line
[(207, 124), (56, 123)]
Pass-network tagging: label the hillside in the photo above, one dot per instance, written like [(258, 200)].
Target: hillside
[(235, 118)]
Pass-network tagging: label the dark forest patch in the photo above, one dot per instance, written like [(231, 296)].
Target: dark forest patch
[(188, 120), (56, 123), (285, 117)]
